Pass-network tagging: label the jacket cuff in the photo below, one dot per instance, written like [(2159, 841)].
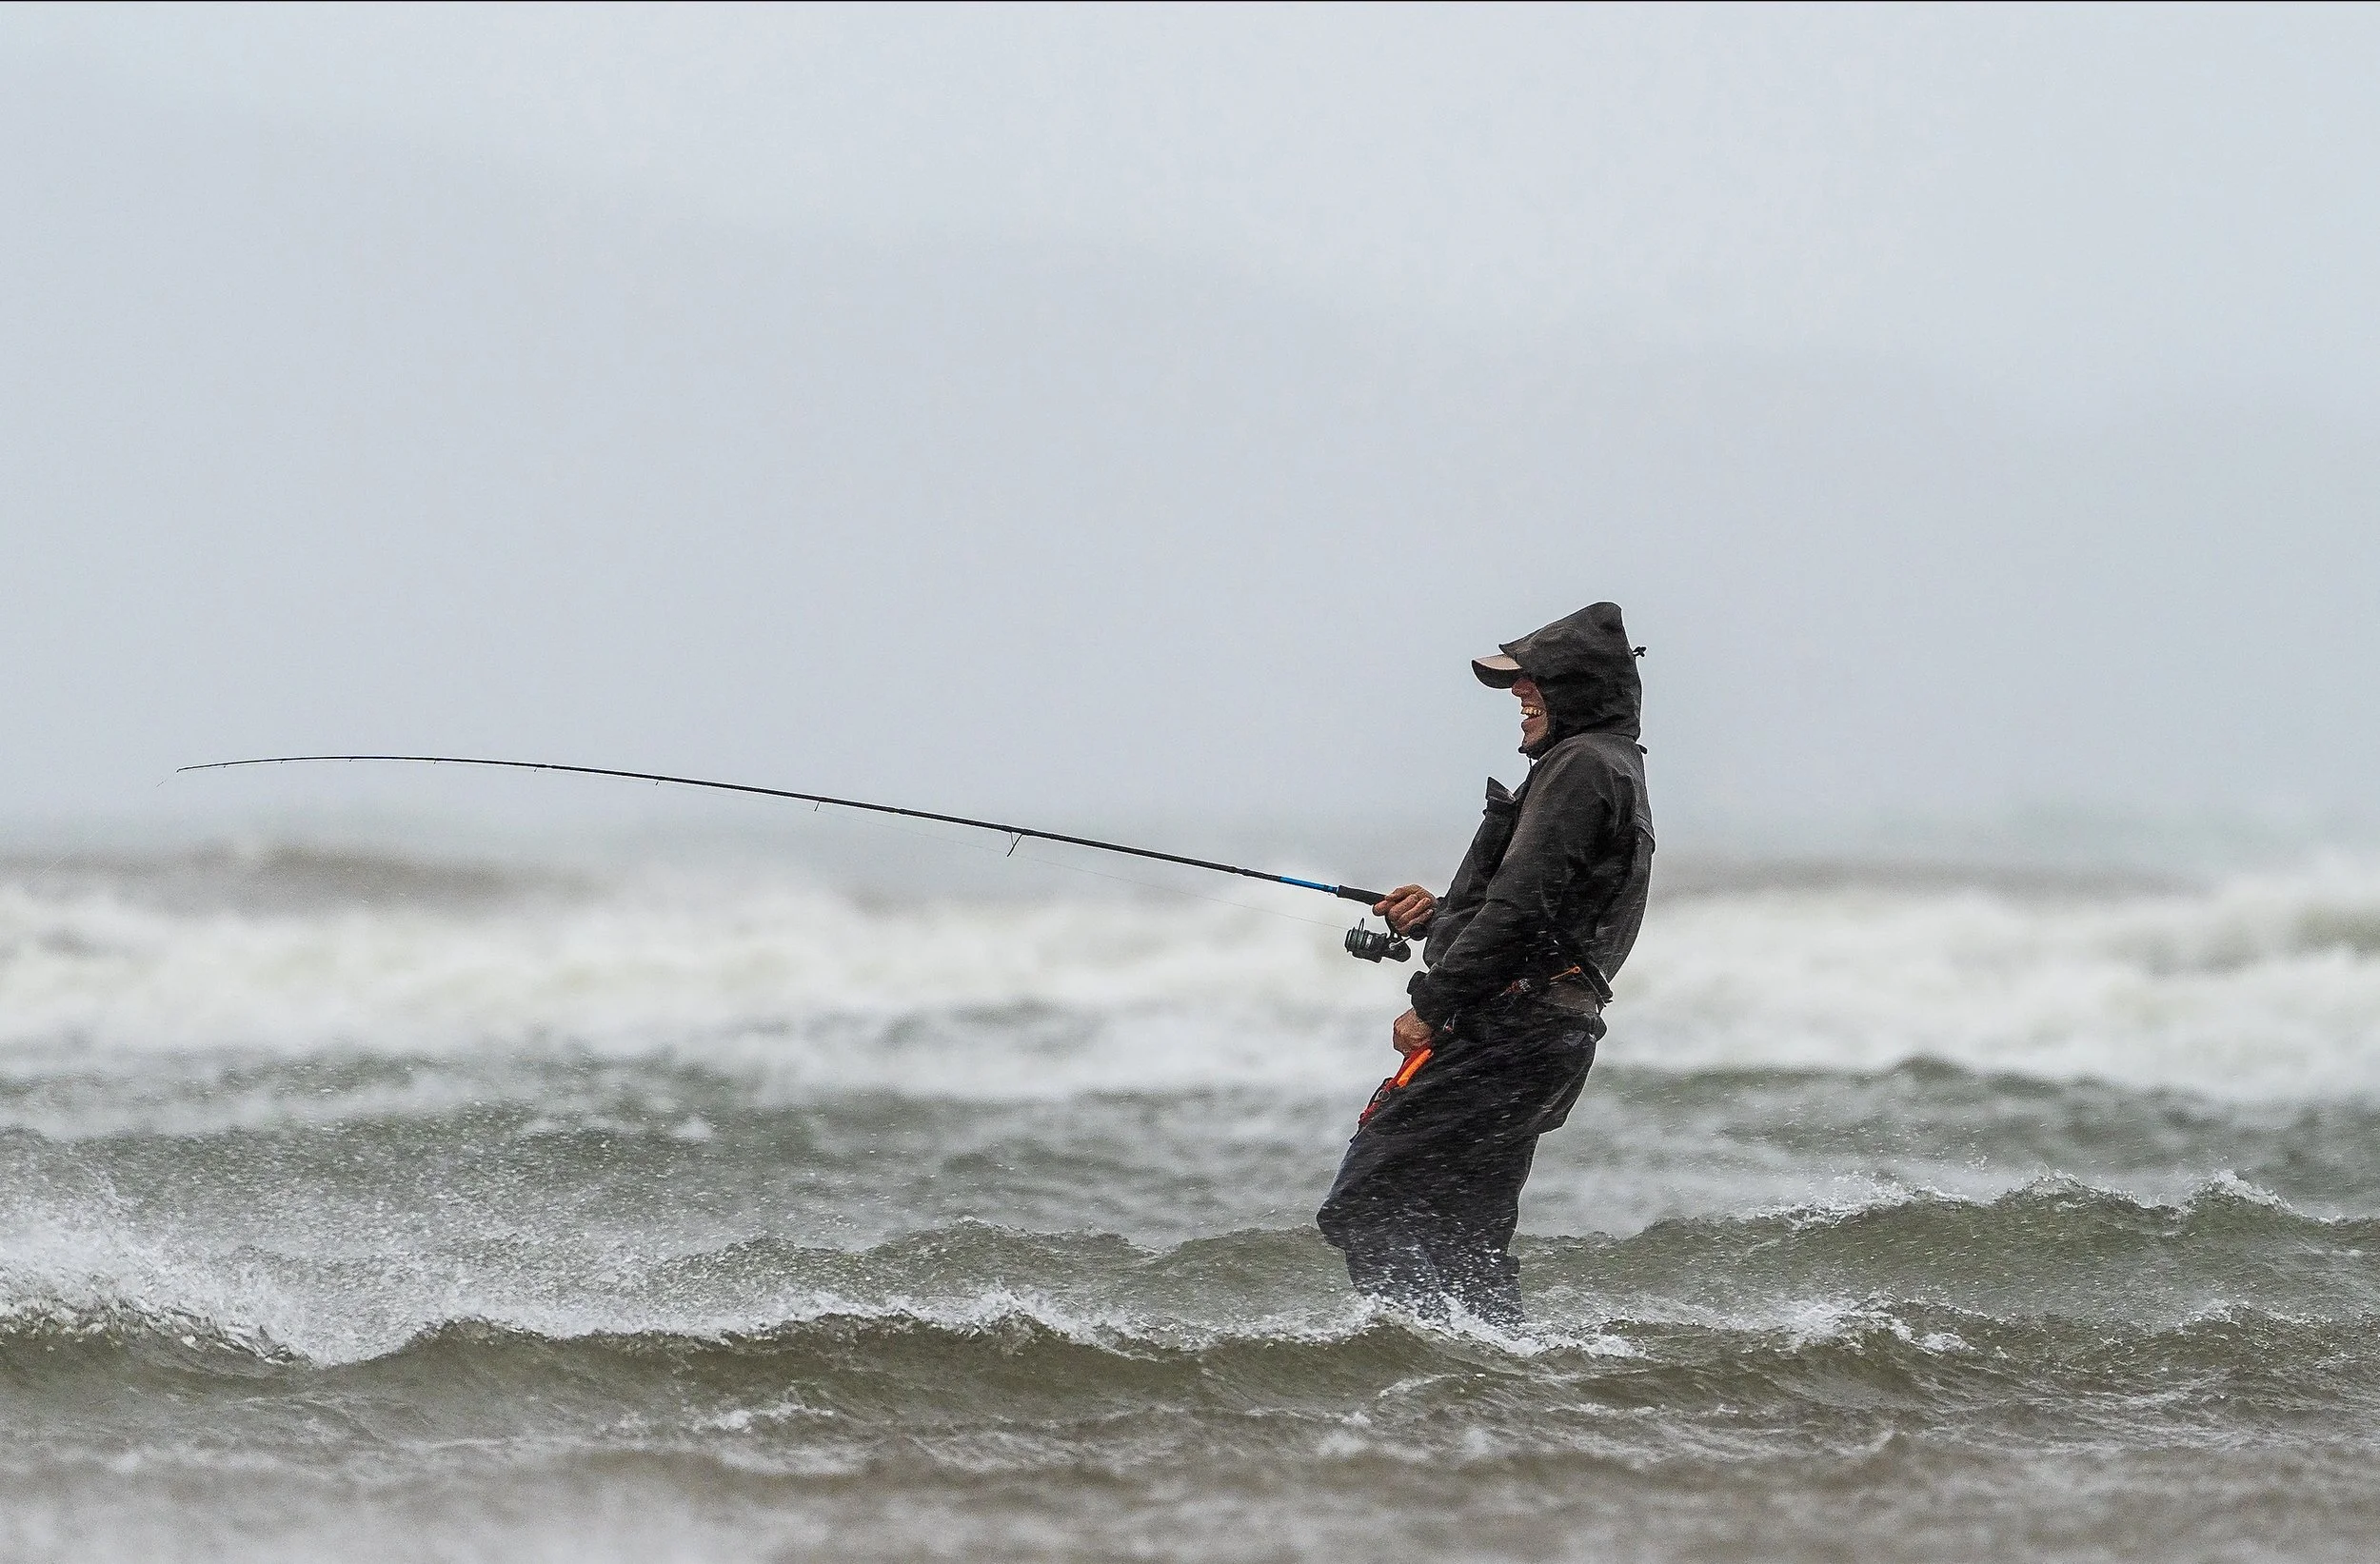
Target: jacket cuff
[(1427, 1002)]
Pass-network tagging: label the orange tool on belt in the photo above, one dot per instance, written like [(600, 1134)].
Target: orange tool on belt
[(1406, 1073)]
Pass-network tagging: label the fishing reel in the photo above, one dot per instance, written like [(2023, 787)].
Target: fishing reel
[(1370, 944)]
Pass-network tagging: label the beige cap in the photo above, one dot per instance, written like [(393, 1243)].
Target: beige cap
[(1498, 672)]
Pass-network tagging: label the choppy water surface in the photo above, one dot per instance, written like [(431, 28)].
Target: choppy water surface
[(385, 1209)]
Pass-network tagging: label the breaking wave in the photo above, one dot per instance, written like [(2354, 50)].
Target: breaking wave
[(2261, 985), (2055, 1258)]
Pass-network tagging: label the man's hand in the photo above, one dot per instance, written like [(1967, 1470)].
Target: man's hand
[(1412, 1034), (1407, 908)]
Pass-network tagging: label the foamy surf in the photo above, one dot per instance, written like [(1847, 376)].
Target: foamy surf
[(2259, 985), (381, 1206)]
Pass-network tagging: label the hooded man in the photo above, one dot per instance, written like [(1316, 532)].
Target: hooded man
[(1522, 952)]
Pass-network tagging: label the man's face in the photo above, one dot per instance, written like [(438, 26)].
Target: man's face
[(1534, 721)]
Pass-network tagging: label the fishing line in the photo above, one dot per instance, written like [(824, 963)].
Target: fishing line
[(1368, 946), (1081, 868)]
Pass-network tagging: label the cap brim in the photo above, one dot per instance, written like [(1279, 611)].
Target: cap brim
[(1498, 672)]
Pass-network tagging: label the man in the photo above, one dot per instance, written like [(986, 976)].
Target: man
[(1521, 950)]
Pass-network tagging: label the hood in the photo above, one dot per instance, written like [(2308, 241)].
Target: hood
[(1587, 671)]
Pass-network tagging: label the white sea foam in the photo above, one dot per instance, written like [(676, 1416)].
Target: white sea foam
[(808, 986), (2262, 985)]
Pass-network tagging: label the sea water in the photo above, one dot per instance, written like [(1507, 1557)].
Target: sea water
[(402, 1206)]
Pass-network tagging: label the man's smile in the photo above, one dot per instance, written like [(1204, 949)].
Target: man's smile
[(1534, 723)]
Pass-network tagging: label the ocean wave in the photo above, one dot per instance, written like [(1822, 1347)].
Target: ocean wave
[(2055, 1255), (879, 1377), (1643, 1143), (872, 992), (2259, 986), (281, 878), (2053, 1248), (2262, 985)]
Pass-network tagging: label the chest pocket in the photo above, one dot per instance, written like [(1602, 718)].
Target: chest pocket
[(1488, 843), (1496, 830)]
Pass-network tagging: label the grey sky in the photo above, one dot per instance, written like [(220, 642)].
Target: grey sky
[(1144, 409), (2074, 202)]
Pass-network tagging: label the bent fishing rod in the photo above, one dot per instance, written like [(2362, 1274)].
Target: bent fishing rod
[(1365, 944)]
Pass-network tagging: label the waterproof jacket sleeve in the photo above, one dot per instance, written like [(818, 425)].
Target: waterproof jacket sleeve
[(1567, 816)]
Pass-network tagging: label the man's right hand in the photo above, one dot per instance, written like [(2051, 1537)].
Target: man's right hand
[(1408, 908), (1412, 1034)]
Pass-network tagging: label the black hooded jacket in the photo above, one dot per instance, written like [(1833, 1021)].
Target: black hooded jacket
[(1558, 871)]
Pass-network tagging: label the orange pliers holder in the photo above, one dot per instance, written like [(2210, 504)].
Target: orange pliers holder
[(1406, 1073)]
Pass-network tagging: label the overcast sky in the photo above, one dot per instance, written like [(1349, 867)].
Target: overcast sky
[(1145, 409), (2076, 203)]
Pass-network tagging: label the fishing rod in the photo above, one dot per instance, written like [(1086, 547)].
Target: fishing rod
[(1365, 944)]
